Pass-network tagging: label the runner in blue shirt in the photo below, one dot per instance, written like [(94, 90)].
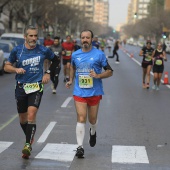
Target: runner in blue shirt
[(86, 67), (95, 42), (29, 58)]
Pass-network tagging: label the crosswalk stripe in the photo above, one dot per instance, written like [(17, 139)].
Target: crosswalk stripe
[(4, 145), (58, 152), (129, 154), (65, 152)]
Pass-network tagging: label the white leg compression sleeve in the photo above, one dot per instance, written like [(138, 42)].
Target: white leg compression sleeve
[(80, 133)]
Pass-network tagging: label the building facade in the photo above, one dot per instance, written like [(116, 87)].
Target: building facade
[(137, 9), (101, 12), (167, 5), (94, 10), (142, 8)]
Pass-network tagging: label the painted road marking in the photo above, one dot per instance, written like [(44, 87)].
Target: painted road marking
[(8, 122), (129, 154), (58, 152), (4, 145), (46, 132), (66, 102), (13, 118)]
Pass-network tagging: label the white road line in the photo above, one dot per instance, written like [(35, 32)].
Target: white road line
[(59, 152), (129, 154), (66, 102), (46, 132), (4, 145)]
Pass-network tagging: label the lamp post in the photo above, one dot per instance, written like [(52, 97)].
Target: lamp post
[(1, 10), (31, 10)]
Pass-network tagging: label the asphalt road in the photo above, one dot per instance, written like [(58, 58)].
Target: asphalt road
[(132, 134)]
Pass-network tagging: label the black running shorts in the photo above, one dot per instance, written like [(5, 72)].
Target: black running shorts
[(145, 65), (65, 61), (24, 100), (158, 69)]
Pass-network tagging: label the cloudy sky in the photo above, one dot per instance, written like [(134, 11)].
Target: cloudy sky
[(117, 12)]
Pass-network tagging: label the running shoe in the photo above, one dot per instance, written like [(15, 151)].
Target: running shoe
[(92, 140), (80, 152), (154, 87), (67, 79), (157, 88), (147, 86), (25, 156), (64, 80), (27, 150), (144, 85), (54, 91)]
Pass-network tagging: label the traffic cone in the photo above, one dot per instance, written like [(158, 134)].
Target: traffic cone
[(166, 81)]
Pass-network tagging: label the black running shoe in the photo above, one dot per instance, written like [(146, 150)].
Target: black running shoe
[(92, 140), (67, 79), (80, 152)]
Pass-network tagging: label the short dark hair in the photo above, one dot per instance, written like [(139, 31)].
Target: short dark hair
[(29, 27), (57, 37), (87, 31), (148, 42), (68, 36)]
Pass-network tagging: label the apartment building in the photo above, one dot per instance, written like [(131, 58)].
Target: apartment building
[(86, 6), (167, 5), (94, 10), (132, 10), (142, 8), (137, 9), (101, 12)]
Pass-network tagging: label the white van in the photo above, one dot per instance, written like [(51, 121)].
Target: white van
[(19, 38), (167, 43)]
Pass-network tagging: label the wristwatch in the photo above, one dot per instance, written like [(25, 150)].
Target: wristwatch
[(47, 71)]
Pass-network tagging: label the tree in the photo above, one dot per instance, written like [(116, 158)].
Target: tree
[(61, 18)]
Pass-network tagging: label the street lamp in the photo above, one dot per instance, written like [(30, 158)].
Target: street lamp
[(1, 10), (135, 15), (31, 10)]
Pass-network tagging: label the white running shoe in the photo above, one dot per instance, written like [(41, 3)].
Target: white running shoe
[(157, 88), (54, 91), (154, 87)]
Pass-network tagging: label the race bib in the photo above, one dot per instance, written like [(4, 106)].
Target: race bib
[(148, 58), (85, 81), (68, 53), (31, 87), (158, 62)]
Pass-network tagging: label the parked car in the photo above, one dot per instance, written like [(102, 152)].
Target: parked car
[(41, 40), (14, 43), (6, 47), (167, 43), (19, 38), (2, 62)]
